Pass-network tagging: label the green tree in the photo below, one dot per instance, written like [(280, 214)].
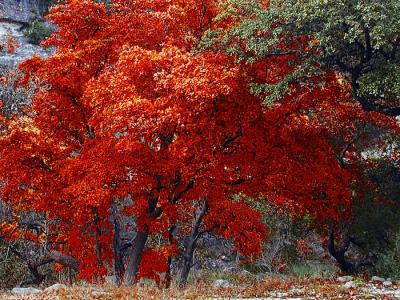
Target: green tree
[(359, 39)]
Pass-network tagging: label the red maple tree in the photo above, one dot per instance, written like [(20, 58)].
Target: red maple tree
[(129, 109)]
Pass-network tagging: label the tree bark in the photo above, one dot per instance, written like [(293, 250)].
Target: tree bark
[(339, 255), (119, 267), (96, 220), (53, 256), (190, 243), (134, 257), (168, 275)]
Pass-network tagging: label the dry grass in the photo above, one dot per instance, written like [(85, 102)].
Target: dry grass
[(285, 289)]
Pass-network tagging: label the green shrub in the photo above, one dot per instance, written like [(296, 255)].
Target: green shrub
[(37, 32), (311, 270), (389, 262)]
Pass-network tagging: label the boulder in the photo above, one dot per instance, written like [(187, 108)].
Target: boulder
[(344, 278), (387, 283), (112, 280), (350, 284), (25, 291), (56, 287), (100, 293), (377, 279), (23, 11), (222, 283)]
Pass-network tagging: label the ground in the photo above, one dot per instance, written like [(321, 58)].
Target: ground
[(260, 289)]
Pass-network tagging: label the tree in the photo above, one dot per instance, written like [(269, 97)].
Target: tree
[(86, 146), (358, 39), (131, 110), (357, 42)]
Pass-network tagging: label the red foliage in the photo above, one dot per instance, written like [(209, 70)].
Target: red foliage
[(128, 108)]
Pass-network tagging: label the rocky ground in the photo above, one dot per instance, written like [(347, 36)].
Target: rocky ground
[(24, 49), (345, 287)]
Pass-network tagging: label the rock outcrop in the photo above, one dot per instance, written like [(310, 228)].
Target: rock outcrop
[(25, 291), (24, 49), (14, 18), (22, 11)]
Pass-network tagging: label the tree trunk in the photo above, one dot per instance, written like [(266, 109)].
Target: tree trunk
[(119, 267), (98, 248), (134, 257), (187, 262), (190, 243), (136, 250), (168, 275), (53, 256), (96, 220), (339, 255)]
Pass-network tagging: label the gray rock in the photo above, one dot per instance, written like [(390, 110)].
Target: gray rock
[(221, 283), (377, 279), (350, 284), (24, 51), (56, 287), (387, 283), (217, 264), (25, 291), (111, 280), (344, 278), (22, 10), (296, 291), (230, 269), (100, 293)]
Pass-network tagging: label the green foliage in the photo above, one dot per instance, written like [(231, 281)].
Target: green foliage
[(13, 269), (360, 39), (311, 270), (37, 32), (389, 262), (375, 223)]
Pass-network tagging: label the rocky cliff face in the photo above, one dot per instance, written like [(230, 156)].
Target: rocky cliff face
[(22, 10), (24, 51), (14, 16)]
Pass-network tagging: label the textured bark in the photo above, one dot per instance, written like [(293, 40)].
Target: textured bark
[(118, 247), (119, 267), (50, 257), (190, 243), (98, 234), (134, 257), (339, 254), (168, 275)]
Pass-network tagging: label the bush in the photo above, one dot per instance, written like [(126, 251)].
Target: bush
[(389, 262), (375, 226), (37, 32), (312, 270)]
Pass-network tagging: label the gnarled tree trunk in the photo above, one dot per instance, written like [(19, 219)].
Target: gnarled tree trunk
[(135, 253), (190, 243), (52, 256), (339, 254)]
